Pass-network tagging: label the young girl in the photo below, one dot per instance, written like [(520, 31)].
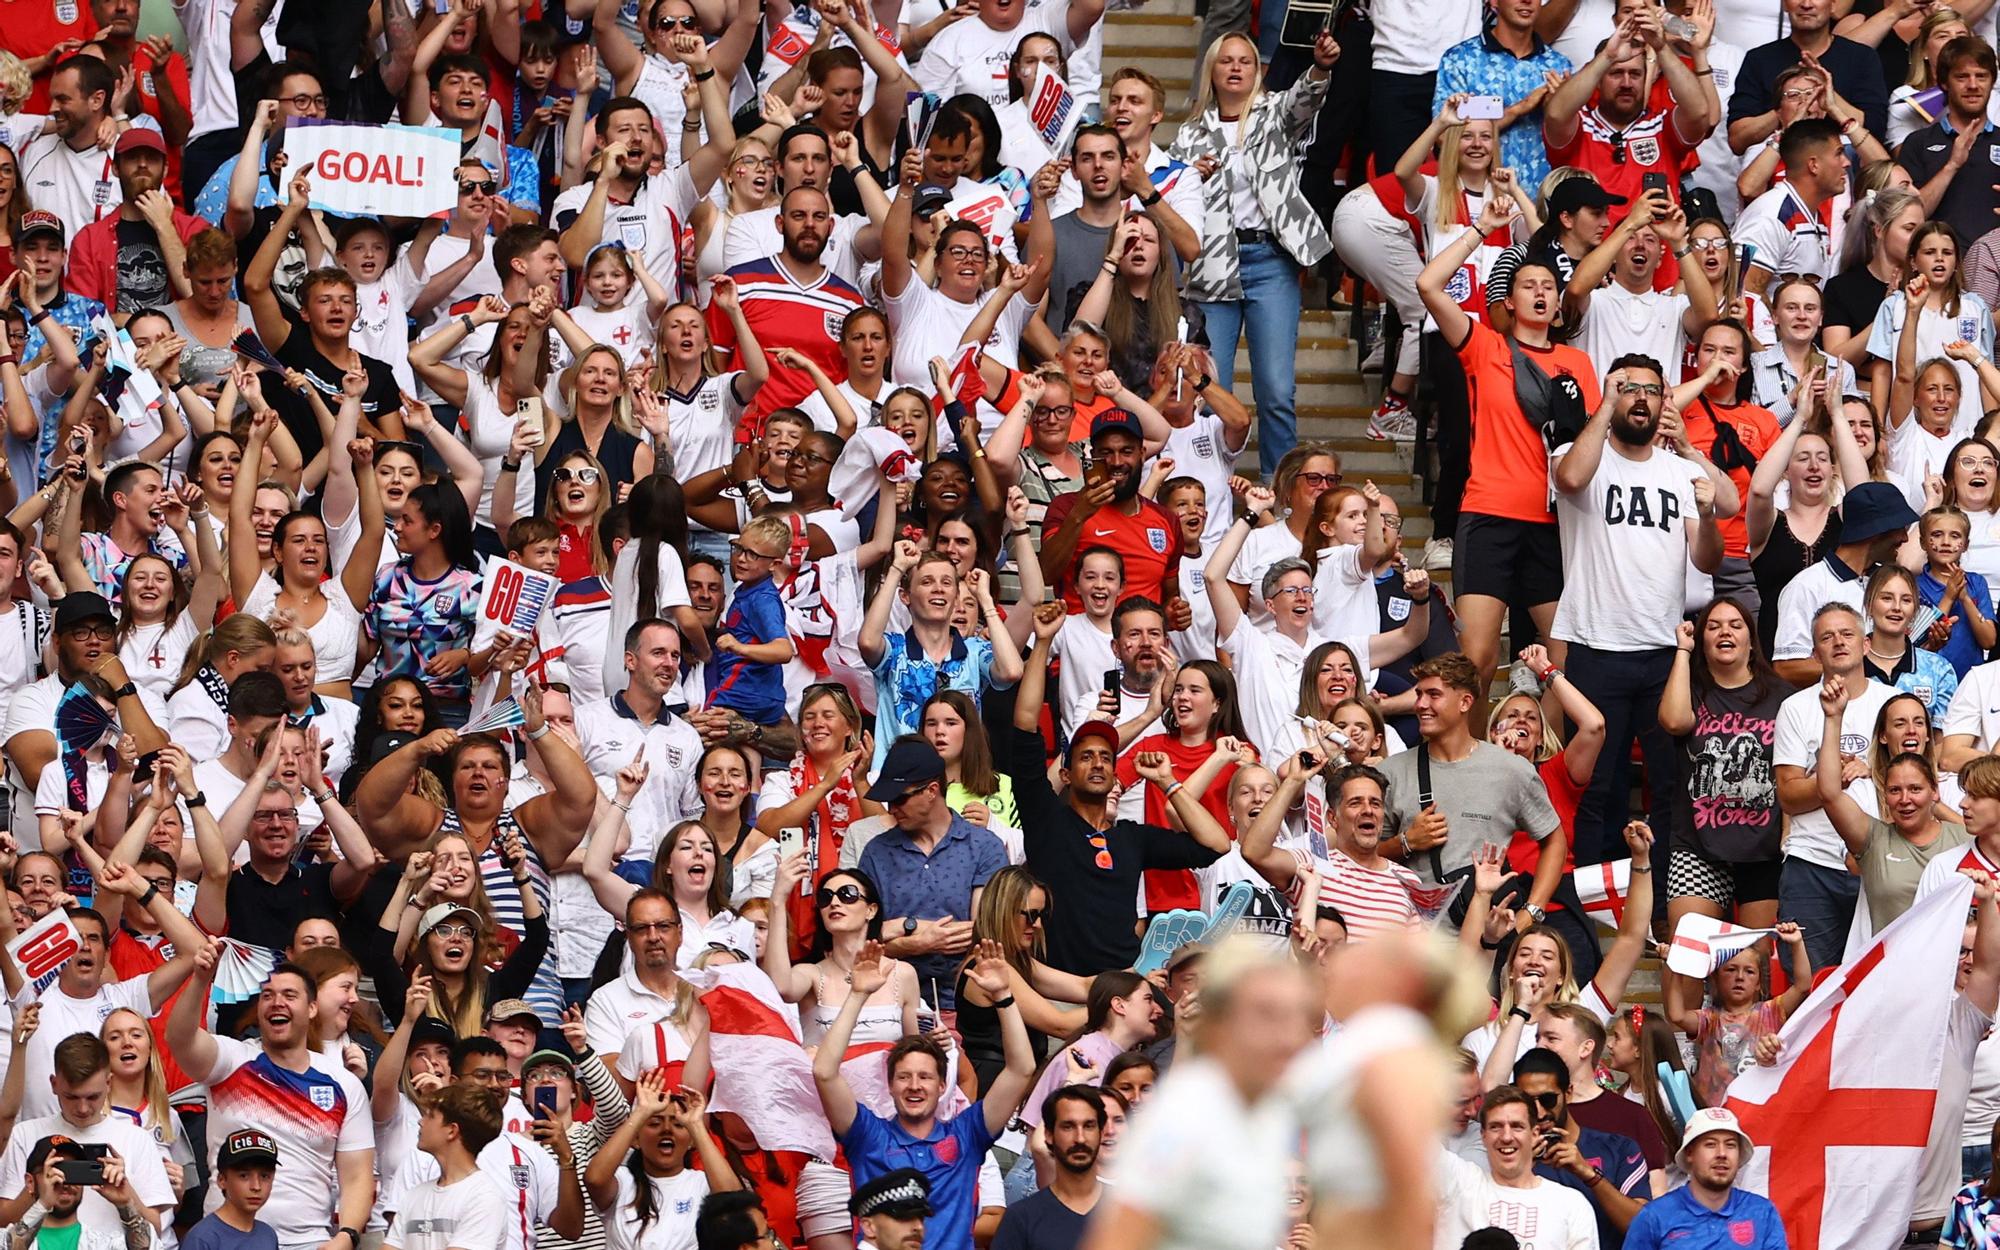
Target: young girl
[(1712, 247), (612, 313), (1971, 484), (703, 405), (1200, 720), (1892, 656), (138, 1092), (1916, 322), (1871, 267), (1780, 370), (1961, 597), (1725, 1034), (1637, 1042), (976, 790)]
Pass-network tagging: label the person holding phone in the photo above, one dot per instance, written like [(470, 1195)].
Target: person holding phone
[(62, 1174), (1625, 139)]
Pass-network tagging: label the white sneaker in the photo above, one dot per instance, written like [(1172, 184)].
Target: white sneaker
[(1377, 356), (1393, 421), (1437, 555)]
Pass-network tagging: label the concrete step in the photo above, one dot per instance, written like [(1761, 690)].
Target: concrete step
[(1144, 34)]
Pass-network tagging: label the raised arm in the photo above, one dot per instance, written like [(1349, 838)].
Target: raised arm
[(1633, 932), (1849, 821)]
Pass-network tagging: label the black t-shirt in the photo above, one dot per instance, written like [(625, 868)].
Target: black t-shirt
[(142, 268), (382, 396), (263, 914), (1851, 297), (1730, 814), (1039, 1222), (1061, 851)]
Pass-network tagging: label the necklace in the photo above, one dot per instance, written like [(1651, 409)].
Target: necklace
[(1893, 660)]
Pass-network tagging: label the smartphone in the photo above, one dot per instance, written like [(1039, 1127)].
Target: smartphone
[(790, 841), (528, 416), (545, 1102), (1095, 474), (1481, 108), (1656, 182), (1308, 760), (81, 1171), (1129, 245), (1114, 683)]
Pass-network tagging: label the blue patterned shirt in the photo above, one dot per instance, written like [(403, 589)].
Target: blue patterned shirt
[(416, 621), (906, 678), (1974, 1221), (105, 561), (1480, 66)]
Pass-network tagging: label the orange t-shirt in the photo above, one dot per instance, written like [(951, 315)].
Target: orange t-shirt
[(1510, 464), (1084, 410), (1758, 429)]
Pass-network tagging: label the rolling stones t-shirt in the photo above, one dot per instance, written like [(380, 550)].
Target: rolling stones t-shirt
[(1731, 812)]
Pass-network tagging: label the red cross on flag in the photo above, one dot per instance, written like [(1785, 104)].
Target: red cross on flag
[(1702, 944), (1840, 1122), (1602, 888)]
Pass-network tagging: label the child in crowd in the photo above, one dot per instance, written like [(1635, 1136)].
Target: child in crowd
[(608, 313), (746, 671), (1962, 598), (1725, 1035), (244, 1169)]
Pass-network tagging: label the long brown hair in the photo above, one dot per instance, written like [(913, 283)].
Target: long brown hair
[(1163, 303), (975, 757)]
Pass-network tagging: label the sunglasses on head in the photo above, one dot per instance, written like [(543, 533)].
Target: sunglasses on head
[(849, 894)]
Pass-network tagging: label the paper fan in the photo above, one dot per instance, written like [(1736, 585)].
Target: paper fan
[(81, 721), (252, 349), (505, 714), (241, 970)]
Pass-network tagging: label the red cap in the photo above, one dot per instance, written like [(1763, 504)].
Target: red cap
[(1092, 729), (139, 139), (40, 219)]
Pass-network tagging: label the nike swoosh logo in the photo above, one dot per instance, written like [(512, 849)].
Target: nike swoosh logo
[(1896, 859), (1108, 533)]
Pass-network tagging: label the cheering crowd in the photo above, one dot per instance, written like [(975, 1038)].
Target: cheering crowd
[(742, 687)]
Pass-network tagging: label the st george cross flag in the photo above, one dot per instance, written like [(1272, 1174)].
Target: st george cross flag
[(1602, 888), (1841, 1120), (1702, 944), (761, 1073), (1052, 108)]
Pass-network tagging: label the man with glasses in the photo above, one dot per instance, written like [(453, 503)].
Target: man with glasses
[(1631, 313), (1609, 1169), (291, 90), (930, 868), (1632, 515), (638, 1017), (271, 893), (806, 157), (1849, 73)]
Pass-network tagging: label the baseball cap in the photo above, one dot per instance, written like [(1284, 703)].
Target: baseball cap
[(1713, 1120), (930, 198), (82, 606), (438, 913), (40, 219), (906, 766), (432, 1029), (546, 1057), (1575, 193), (246, 1147), (510, 1009), (139, 139), (1118, 421), (1091, 729)]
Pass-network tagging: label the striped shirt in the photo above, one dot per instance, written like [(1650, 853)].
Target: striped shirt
[(1373, 901), (545, 992), (314, 1116), (784, 312)]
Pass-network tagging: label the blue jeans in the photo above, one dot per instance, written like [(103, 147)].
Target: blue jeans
[(1821, 902), (1975, 1163), (1269, 310)]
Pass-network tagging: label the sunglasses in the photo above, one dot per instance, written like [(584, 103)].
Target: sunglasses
[(488, 187), (585, 476), (674, 23), (1547, 1102), (1033, 915), (848, 894), (1322, 480)]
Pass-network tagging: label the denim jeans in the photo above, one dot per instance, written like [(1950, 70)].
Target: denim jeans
[(1626, 687), (1820, 901), (1269, 311), (1975, 1163)]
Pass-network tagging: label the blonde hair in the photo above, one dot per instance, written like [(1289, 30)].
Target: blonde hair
[(16, 84), (1450, 209), (769, 528), (159, 1112), (238, 632), (1204, 87), (1920, 66)]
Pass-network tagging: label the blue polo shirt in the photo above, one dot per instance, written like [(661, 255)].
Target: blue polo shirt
[(931, 887), (1623, 1164), (906, 678), (949, 1159), (1746, 1221)]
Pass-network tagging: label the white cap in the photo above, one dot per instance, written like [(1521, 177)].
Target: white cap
[(1713, 1120)]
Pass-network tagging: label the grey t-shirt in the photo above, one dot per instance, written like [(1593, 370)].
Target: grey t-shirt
[(1891, 867), (1485, 797), (1080, 251)]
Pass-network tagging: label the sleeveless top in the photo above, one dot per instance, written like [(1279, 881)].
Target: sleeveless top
[(979, 1028), (879, 1022), (1784, 557)]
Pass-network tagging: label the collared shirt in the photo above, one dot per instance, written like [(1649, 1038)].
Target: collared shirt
[(906, 677), (1925, 674), (619, 1007), (608, 732), (949, 1159), (1746, 1221), (932, 886), (1829, 581), (1968, 199), (1482, 66), (1773, 379)]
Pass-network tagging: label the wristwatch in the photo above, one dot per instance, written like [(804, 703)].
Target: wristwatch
[(909, 926), (1536, 913), (126, 691), (1147, 201)]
